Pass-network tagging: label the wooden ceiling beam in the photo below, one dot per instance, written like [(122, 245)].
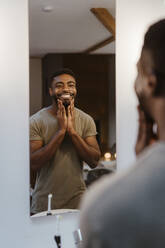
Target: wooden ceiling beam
[(100, 45), (108, 21), (105, 18)]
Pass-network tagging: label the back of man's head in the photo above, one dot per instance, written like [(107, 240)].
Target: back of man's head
[(154, 42)]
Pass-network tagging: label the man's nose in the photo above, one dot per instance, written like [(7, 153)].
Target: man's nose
[(65, 88)]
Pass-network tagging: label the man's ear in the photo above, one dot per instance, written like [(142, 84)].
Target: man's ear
[(151, 84), (50, 92)]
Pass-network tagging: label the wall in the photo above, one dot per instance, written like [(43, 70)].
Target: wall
[(35, 85), (133, 18)]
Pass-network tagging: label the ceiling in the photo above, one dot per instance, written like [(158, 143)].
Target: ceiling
[(69, 28)]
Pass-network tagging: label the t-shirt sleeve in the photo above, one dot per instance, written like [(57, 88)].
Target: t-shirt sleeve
[(35, 130), (89, 128)]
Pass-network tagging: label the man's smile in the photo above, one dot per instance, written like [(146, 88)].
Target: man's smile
[(65, 96)]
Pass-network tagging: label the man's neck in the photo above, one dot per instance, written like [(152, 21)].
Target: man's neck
[(53, 109), (161, 130), (160, 119)]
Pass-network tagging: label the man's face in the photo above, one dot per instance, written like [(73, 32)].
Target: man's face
[(141, 83), (63, 88)]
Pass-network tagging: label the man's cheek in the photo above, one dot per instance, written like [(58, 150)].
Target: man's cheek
[(75, 93), (138, 87)]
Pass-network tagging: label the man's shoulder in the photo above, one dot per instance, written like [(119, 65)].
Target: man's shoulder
[(38, 115), (126, 191), (127, 201), (85, 124), (81, 114)]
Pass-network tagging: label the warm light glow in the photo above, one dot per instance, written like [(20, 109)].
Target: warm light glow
[(115, 155), (107, 155)]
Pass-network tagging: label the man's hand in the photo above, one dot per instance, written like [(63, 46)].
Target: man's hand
[(61, 116), (71, 118), (145, 132), (87, 149)]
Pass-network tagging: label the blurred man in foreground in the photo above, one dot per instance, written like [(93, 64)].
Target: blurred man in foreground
[(128, 210)]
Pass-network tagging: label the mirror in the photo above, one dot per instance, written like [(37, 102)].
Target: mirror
[(80, 36)]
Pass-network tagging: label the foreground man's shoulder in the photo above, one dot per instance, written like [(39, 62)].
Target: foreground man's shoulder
[(94, 208), (98, 190), (120, 183), (120, 201)]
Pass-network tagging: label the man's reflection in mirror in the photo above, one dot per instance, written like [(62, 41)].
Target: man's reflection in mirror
[(61, 138)]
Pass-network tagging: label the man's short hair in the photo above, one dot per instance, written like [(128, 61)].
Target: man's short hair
[(154, 41), (60, 72)]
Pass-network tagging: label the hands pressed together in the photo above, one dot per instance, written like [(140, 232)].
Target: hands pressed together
[(65, 117)]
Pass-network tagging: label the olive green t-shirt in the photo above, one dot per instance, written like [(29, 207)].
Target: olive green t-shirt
[(62, 175)]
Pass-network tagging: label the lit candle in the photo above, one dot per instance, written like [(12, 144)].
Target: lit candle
[(107, 156)]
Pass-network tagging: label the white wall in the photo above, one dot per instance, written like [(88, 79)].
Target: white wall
[(17, 230), (35, 85), (133, 18)]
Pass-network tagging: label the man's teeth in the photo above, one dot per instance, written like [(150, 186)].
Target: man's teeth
[(66, 96)]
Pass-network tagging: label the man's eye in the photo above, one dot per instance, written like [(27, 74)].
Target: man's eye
[(59, 86), (71, 85)]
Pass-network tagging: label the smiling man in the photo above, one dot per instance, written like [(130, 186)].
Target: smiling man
[(61, 138)]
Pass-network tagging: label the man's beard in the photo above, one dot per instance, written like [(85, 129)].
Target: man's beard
[(65, 102)]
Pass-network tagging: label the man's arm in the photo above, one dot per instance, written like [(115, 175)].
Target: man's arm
[(39, 154), (87, 148)]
